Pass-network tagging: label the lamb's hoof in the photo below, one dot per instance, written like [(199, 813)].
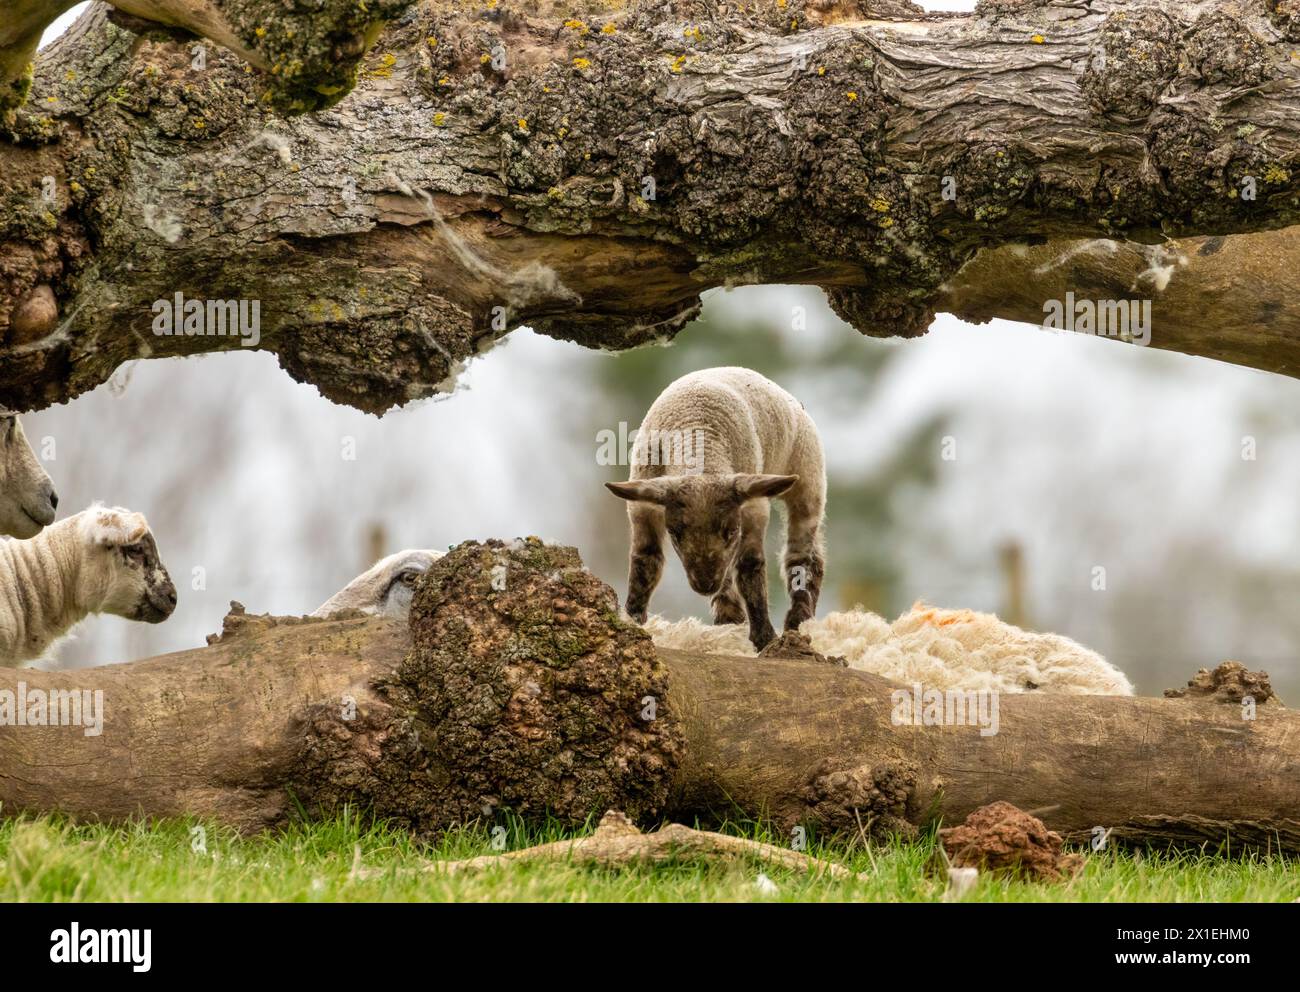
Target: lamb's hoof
[(792, 644), (762, 639)]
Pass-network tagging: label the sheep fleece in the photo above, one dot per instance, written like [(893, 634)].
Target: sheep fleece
[(941, 649)]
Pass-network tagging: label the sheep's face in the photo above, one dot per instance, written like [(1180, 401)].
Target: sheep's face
[(27, 497), (386, 588), (703, 515), (402, 576), (123, 567)]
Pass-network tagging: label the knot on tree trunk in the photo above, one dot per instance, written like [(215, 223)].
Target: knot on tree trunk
[(1231, 682), (792, 644), (524, 691), (868, 800)]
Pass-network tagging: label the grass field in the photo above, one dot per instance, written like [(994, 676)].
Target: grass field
[(45, 860)]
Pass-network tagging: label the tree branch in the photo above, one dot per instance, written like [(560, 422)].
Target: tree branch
[(590, 173)]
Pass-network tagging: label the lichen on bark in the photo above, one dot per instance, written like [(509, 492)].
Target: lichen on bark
[(589, 170), (524, 692)]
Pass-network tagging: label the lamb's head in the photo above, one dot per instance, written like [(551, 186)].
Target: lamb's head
[(386, 588), (120, 570), (702, 514), (27, 497)]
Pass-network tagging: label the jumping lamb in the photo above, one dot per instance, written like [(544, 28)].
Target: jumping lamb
[(102, 560), (27, 497), (714, 448), (938, 648), (384, 589)]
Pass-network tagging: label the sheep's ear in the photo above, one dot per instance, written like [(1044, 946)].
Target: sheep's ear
[(755, 486), (643, 491), (116, 527)]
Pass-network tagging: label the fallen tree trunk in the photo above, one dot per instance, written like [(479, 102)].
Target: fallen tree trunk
[(519, 688), (590, 173)]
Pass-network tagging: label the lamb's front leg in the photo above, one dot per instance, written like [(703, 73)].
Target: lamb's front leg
[(727, 605), (646, 559), (751, 576), (804, 566)]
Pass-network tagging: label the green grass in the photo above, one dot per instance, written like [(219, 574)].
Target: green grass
[(47, 860)]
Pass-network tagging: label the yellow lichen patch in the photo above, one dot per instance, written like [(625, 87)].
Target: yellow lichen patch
[(555, 193), (851, 95), (581, 64), (431, 42), (693, 33), (1275, 175), (573, 24), (199, 125), (821, 70), (484, 59), (1037, 39), (608, 28), (444, 81), (385, 67), (69, 76), (260, 32), (523, 124), (439, 119), (880, 205), (678, 62)]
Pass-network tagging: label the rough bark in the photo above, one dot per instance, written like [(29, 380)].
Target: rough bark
[(520, 688), (447, 199)]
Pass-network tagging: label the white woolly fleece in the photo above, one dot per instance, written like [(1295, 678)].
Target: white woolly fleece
[(941, 649)]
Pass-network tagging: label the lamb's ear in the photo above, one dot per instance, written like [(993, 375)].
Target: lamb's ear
[(643, 491), (114, 527), (755, 486)]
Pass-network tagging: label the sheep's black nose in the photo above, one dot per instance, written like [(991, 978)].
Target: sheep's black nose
[(54, 499), (171, 595)]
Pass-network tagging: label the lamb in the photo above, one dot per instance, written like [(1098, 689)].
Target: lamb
[(940, 649), (386, 588), (27, 497), (714, 448), (102, 560)]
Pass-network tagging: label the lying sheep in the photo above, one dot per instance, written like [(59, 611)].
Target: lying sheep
[(940, 649), (101, 560), (384, 589), (714, 448), (27, 497)]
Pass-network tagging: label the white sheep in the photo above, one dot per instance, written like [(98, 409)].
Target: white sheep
[(27, 497), (713, 449), (386, 588), (102, 560), (940, 649)]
